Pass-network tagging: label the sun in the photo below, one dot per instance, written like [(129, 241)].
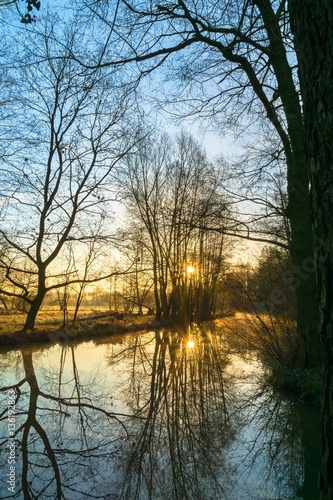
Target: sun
[(190, 269), (190, 344)]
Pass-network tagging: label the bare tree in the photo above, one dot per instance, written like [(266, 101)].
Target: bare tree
[(239, 54), (69, 128), (170, 189)]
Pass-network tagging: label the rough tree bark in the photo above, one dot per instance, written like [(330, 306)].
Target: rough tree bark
[(312, 24)]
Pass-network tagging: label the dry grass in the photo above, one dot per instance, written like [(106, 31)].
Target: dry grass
[(11, 322), (49, 317), (92, 324)]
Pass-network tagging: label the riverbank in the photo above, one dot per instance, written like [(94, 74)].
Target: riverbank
[(305, 383), (88, 328), (103, 324)]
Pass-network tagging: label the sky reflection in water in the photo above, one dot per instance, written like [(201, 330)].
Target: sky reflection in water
[(157, 416)]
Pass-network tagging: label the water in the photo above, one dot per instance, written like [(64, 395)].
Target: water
[(153, 416)]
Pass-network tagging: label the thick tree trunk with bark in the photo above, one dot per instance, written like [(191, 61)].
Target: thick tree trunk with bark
[(301, 252), (312, 24), (299, 207)]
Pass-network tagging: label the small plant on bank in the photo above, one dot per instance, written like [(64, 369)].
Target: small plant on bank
[(304, 381)]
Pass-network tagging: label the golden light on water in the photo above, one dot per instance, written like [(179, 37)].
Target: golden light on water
[(190, 344), (190, 269)]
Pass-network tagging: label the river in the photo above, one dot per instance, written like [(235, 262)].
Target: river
[(161, 415)]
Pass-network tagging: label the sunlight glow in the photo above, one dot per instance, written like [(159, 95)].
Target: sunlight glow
[(190, 269), (190, 344)]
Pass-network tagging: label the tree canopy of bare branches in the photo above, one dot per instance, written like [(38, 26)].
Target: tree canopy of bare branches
[(170, 189), (66, 131), (235, 60)]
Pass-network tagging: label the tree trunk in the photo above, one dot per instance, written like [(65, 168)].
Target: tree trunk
[(36, 303), (3, 302), (156, 294), (299, 213), (33, 311), (301, 252), (312, 23), (299, 206)]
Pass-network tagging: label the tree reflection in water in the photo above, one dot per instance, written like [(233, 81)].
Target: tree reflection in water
[(65, 432), (163, 415), (177, 452)]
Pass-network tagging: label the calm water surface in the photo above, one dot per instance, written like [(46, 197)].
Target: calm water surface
[(156, 416)]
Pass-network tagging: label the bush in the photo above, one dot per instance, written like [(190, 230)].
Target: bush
[(306, 382)]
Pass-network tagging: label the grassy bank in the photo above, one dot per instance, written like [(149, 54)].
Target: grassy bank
[(50, 330)]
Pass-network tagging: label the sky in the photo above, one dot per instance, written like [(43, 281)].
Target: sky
[(215, 143)]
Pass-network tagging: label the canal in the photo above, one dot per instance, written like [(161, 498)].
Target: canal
[(161, 415)]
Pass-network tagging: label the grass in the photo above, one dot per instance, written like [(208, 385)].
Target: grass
[(50, 328), (48, 317)]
